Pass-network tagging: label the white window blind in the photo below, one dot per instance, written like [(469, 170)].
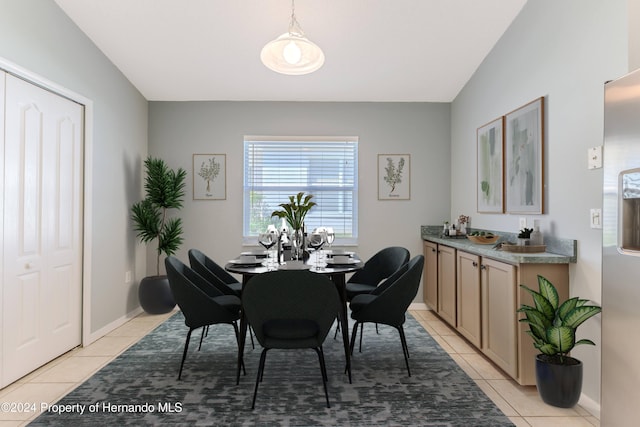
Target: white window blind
[(276, 168)]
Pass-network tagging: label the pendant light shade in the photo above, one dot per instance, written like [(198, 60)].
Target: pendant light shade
[(292, 53)]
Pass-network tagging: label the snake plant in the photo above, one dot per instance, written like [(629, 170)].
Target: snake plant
[(553, 324)]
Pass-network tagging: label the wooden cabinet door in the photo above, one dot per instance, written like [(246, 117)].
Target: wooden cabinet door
[(447, 284), (469, 297), (499, 317), (430, 275)]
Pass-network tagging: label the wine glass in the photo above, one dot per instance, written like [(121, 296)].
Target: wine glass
[(330, 236), (316, 240), (267, 240)]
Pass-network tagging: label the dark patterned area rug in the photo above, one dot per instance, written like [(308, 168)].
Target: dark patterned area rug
[(140, 387)]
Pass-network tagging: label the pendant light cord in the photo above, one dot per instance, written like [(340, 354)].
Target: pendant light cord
[(294, 26)]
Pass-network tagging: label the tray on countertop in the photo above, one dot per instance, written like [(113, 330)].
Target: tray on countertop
[(527, 249)]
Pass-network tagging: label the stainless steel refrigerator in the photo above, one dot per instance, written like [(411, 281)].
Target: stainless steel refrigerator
[(620, 397)]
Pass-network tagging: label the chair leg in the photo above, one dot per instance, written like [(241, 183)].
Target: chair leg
[(253, 346), (361, 331), (335, 334), (205, 330), (237, 331), (263, 356), (405, 348), (184, 353), (323, 367), (323, 370), (353, 337)]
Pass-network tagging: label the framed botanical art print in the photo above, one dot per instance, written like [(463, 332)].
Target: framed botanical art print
[(490, 167), (394, 176), (209, 176), (524, 154)]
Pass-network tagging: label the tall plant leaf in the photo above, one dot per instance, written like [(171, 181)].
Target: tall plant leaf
[(548, 291), (562, 337), (579, 314), (542, 304)]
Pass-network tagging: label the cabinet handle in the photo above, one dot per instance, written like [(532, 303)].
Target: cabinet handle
[(483, 267), (475, 264), (433, 250)]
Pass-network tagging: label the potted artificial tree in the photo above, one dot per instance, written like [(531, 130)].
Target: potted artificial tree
[(553, 329), (164, 190)]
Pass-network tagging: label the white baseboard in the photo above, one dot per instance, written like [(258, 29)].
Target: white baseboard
[(590, 405), (94, 336)]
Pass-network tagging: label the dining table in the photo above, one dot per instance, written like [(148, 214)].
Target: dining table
[(336, 265)]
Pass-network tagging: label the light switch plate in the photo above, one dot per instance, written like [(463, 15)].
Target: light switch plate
[(595, 157), (523, 223)]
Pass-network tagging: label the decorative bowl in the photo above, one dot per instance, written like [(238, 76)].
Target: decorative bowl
[(484, 240)]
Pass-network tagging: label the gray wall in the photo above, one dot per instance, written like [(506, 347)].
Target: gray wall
[(179, 129), (38, 36), (564, 51)]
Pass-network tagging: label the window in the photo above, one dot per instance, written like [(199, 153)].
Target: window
[(278, 167)]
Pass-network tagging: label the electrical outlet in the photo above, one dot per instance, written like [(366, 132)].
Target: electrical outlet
[(594, 160), (127, 277), (595, 218), (523, 223)]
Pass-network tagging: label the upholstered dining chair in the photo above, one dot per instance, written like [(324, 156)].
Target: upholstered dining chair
[(206, 267), (376, 269), (388, 303), (290, 310), (216, 275), (201, 303)]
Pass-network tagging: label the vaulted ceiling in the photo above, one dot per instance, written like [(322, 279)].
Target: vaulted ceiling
[(376, 50)]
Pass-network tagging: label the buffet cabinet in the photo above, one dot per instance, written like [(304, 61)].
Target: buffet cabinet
[(478, 296)]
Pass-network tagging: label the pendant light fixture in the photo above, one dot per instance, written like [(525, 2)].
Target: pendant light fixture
[(292, 53)]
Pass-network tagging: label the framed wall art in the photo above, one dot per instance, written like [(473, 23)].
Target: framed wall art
[(524, 154), (209, 177), (490, 167), (394, 176)]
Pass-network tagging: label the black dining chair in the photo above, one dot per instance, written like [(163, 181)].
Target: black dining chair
[(206, 267), (377, 268), (375, 271), (216, 275), (388, 303), (201, 303), (290, 310)]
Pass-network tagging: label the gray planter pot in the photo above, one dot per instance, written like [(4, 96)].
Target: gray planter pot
[(155, 295)]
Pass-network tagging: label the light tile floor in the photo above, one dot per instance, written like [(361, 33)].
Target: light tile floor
[(51, 382)]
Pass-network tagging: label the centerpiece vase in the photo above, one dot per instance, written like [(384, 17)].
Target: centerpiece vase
[(297, 245)]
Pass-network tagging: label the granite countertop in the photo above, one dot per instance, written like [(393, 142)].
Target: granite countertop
[(559, 251)]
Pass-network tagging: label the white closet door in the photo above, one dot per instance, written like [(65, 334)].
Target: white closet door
[(42, 280)]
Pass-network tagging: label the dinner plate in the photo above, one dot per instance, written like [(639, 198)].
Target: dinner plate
[(294, 265), (257, 253), (246, 261), (340, 261), (332, 253)]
